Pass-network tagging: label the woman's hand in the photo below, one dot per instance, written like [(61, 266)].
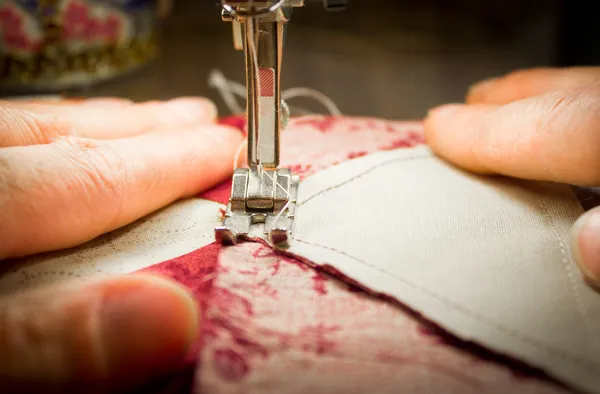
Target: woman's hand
[(69, 172), (541, 124)]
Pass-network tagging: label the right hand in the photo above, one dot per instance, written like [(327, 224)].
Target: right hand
[(541, 124)]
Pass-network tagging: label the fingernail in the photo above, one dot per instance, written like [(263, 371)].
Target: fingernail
[(147, 325), (192, 110), (479, 88), (586, 244), (445, 110)]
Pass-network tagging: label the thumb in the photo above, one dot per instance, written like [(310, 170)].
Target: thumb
[(586, 245), (105, 336), (552, 137)]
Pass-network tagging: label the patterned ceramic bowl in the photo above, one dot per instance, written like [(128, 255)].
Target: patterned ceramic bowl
[(54, 45)]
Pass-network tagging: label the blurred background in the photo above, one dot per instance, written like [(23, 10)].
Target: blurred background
[(386, 58)]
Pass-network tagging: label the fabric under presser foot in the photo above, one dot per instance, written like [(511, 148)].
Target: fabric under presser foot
[(250, 215)]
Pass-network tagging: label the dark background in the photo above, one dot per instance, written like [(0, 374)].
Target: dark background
[(387, 58)]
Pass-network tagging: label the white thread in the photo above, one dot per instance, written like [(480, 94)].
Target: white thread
[(227, 89), (284, 208), (238, 153), (312, 93), (257, 85)]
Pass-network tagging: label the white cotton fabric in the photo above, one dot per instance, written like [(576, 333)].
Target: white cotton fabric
[(172, 232), (488, 259)]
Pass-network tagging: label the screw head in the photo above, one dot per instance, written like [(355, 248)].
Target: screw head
[(227, 16)]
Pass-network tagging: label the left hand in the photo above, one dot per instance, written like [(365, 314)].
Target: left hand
[(69, 172)]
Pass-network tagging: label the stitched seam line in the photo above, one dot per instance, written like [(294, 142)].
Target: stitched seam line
[(586, 364), (559, 353), (360, 175), (571, 275)]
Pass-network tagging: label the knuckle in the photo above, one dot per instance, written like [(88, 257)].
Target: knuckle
[(102, 169), (558, 102), (550, 113)]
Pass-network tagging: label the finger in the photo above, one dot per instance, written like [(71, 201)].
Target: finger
[(586, 245), (103, 102), (103, 336), (65, 193), (30, 123), (528, 83), (553, 137)]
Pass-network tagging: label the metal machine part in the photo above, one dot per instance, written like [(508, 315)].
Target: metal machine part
[(263, 196)]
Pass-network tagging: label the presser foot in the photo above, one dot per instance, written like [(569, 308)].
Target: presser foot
[(261, 205)]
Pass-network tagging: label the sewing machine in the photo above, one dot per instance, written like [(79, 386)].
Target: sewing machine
[(263, 196)]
